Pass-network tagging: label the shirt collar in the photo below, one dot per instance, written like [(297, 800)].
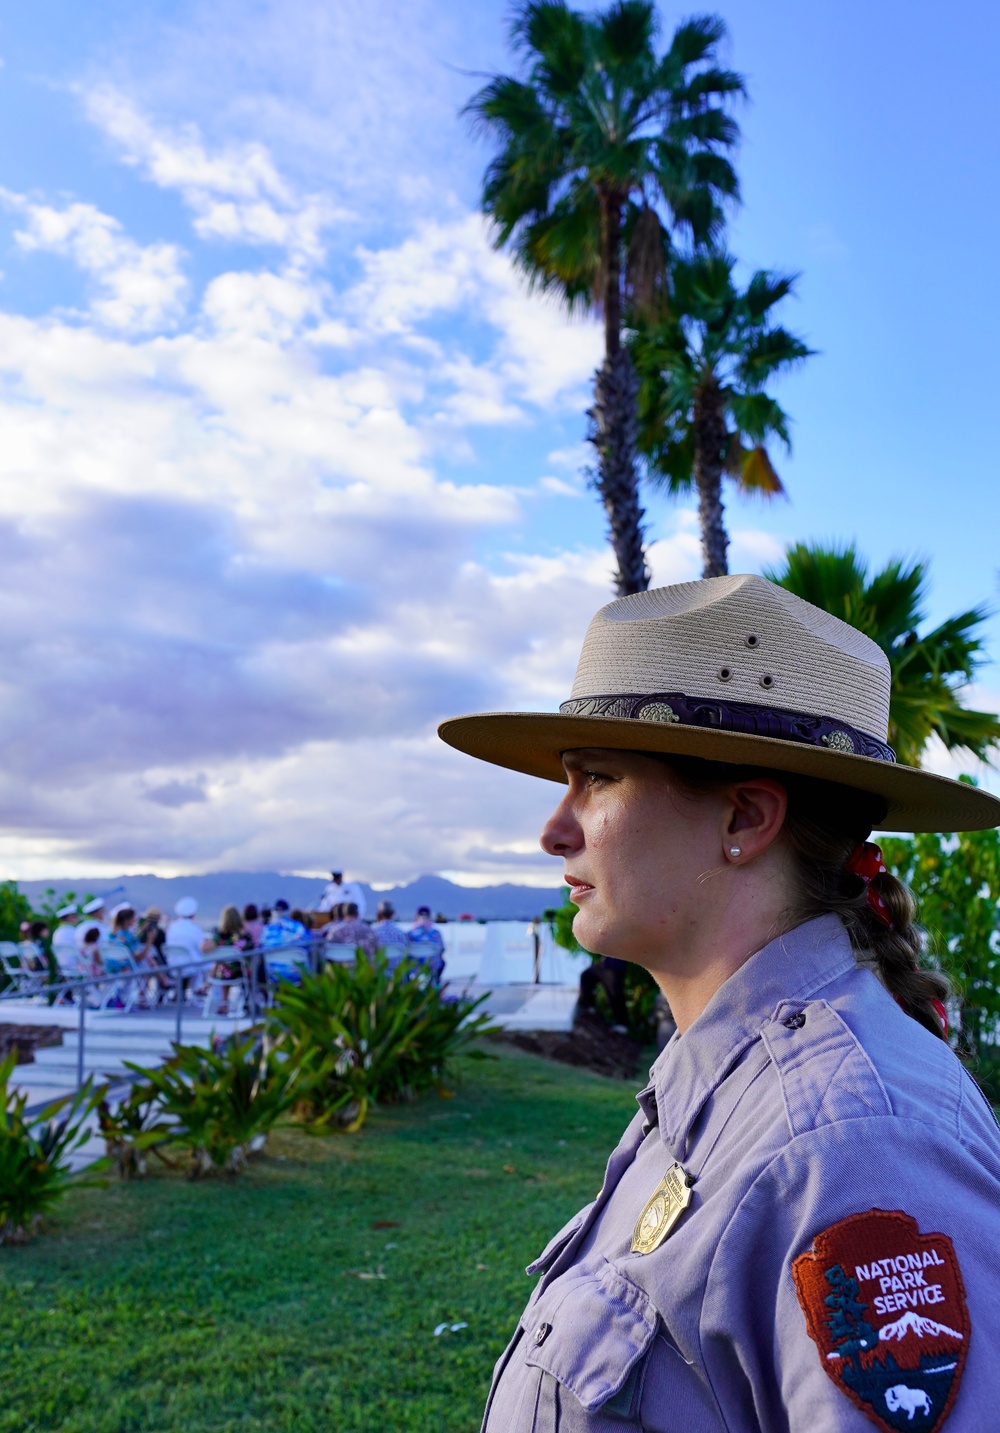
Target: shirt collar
[(791, 968)]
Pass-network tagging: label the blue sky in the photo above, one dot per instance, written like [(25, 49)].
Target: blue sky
[(291, 465)]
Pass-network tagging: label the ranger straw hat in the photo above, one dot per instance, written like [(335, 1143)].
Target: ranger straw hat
[(732, 669)]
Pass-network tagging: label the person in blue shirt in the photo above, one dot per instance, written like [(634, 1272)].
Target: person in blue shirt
[(425, 943), (285, 944), (282, 929)]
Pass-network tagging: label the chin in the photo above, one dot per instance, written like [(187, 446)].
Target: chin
[(593, 935)]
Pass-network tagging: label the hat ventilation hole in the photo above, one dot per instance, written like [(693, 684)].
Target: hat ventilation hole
[(767, 681), (725, 673), (752, 639)]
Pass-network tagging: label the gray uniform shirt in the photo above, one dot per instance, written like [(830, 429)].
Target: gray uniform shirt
[(789, 1126)]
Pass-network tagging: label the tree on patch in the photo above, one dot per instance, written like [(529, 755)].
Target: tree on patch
[(848, 1326)]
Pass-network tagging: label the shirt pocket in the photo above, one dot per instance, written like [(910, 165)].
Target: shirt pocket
[(589, 1336)]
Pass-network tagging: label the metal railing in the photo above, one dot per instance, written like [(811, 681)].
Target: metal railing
[(252, 964)]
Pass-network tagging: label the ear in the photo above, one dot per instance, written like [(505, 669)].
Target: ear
[(753, 817)]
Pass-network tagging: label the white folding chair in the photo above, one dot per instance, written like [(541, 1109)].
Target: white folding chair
[(69, 976), (218, 984), (285, 962), (25, 982), (395, 954), (114, 992), (176, 955)]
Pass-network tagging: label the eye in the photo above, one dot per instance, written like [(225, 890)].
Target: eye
[(595, 778)]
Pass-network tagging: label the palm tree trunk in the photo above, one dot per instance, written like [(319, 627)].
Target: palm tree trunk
[(613, 434), (711, 438), (613, 425)]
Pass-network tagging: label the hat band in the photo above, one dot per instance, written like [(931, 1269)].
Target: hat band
[(744, 717)]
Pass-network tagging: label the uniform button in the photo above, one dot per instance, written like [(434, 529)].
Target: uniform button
[(795, 1022), (542, 1332)]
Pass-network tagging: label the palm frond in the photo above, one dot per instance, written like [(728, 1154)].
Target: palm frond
[(758, 416), (757, 474), (626, 32), (646, 265), (929, 672), (693, 41), (832, 578), (708, 126), (549, 32), (562, 251), (711, 83), (769, 352)]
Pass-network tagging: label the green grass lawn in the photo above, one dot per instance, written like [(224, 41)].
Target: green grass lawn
[(238, 1304)]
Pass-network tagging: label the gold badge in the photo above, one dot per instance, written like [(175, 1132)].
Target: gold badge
[(670, 1199)]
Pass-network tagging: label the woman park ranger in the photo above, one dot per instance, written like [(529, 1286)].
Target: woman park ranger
[(800, 1229)]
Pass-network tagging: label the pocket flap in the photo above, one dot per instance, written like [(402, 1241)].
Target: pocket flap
[(598, 1324), (557, 1243)]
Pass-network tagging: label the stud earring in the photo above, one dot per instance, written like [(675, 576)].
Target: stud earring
[(736, 850)]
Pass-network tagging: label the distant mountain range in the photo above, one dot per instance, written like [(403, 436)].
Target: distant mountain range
[(212, 892)]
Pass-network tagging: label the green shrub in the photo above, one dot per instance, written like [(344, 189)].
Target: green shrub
[(34, 1172), (14, 908), (221, 1104), (367, 1034), (134, 1129), (956, 883)]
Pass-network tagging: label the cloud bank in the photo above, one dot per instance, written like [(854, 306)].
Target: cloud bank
[(273, 502)]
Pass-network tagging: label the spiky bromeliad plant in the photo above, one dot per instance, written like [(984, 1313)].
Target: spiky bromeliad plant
[(222, 1103), (34, 1153), (366, 1034)]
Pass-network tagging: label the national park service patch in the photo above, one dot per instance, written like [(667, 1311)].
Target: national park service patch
[(885, 1306)]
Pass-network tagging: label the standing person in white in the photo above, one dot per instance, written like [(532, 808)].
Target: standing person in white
[(337, 891), (65, 947)]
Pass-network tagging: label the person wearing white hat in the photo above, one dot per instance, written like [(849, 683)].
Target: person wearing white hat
[(800, 1229), (93, 912), (186, 940), (64, 943)]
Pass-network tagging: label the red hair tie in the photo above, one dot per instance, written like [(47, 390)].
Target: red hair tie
[(866, 862), (942, 1014)]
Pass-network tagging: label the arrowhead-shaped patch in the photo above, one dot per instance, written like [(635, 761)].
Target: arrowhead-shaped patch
[(885, 1307)]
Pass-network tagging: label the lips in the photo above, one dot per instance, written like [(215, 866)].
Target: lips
[(577, 887)]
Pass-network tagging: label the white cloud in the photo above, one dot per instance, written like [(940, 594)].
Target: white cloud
[(450, 269), (559, 487), (235, 193), (139, 287), (245, 567)]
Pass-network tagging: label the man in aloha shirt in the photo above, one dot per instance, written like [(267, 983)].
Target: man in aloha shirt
[(353, 932), (385, 927), (282, 930)]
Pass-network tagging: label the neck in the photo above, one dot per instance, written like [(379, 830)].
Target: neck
[(727, 933)]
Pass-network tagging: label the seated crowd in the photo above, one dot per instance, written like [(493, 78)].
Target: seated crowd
[(90, 941)]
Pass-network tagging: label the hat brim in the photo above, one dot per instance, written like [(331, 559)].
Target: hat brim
[(532, 742)]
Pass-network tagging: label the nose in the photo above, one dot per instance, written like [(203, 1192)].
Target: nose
[(562, 834)]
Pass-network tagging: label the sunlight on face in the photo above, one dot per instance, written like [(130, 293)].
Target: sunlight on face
[(638, 853)]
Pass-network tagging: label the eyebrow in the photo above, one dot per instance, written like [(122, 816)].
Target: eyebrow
[(576, 758)]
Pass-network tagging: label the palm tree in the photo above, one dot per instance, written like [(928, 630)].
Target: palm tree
[(703, 370), (604, 150), (928, 670)]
